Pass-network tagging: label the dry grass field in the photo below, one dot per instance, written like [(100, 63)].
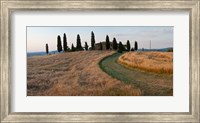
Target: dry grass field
[(158, 62), (73, 74)]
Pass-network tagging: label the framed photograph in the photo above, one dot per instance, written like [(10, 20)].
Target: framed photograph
[(64, 70), (100, 61)]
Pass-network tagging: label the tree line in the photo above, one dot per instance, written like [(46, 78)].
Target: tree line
[(115, 46)]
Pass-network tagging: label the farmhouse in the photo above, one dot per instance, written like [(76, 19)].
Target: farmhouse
[(98, 46)]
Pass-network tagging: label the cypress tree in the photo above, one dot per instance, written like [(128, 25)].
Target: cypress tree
[(47, 49), (120, 47), (107, 42), (136, 46), (86, 46), (115, 44), (59, 45), (92, 40), (65, 42), (128, 45), (72, 48), (78, 43), (100, 47)]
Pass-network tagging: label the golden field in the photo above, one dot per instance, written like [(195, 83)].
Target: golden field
[(73, 74), (158, 62)]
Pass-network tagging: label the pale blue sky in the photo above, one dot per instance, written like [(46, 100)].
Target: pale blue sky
[(160, 36)]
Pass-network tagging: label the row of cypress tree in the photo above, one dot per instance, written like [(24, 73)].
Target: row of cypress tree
[(120, 47), (78, 44)]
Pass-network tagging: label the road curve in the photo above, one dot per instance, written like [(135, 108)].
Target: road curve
[(151, 84)]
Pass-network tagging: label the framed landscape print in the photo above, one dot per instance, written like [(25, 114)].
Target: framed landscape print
[(100, 61), (77, 68)]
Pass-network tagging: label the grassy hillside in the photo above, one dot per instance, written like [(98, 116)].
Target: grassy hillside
[(73, 74)]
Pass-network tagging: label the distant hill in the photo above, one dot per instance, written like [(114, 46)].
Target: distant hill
[(31, 54), (160, 50)]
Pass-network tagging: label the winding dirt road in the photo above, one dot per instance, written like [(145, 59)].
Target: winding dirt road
[(151, 84)]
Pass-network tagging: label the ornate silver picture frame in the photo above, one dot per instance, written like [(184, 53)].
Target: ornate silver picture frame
[(9, 6)]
